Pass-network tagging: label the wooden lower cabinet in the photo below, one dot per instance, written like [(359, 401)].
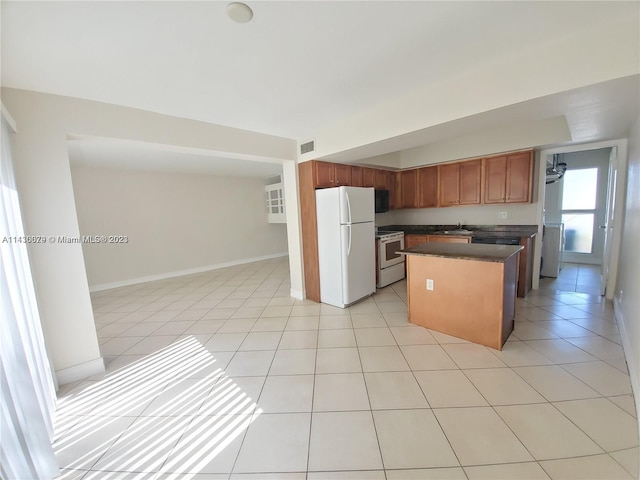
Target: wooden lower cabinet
[(412, 240), (448, 239), (525, 275)]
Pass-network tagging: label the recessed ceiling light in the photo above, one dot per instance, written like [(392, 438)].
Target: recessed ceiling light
[(239, 12)]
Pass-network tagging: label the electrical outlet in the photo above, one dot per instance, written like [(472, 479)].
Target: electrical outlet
[(503, 215), (429, 284)]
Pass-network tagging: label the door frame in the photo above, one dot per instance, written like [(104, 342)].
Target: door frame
[(615, 230)]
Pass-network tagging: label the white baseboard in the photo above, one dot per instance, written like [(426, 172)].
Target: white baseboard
[(162, 276), (297, 294), (79, 372), (634, 373)]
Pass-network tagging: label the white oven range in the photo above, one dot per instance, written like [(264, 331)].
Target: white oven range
[(390, 265)]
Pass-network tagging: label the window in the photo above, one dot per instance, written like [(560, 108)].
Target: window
[(579, 209)]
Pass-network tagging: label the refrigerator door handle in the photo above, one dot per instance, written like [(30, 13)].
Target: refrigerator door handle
[(346, 196), (349, 246)]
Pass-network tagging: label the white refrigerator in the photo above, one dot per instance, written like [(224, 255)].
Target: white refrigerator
[(346, 244)]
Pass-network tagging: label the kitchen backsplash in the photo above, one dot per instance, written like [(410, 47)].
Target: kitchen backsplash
[(471, 215)]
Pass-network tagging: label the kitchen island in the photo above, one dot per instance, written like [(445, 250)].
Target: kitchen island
[(464, 290)]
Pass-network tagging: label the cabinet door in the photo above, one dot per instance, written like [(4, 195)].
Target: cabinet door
[(342, 175), (412, 240), (382, 180), (408, 189), (470, 181), (324, 174), (428, 187), (356, 176), (449, 184), (368, 177), (448, 238), (495, 177), (392, 190), (518, 178)]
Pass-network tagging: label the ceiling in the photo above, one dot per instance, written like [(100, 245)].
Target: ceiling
[(297, 67)]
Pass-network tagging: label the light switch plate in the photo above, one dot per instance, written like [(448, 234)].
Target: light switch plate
[(429, 284)]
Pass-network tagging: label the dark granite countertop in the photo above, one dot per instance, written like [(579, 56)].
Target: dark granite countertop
[(465, 251), (500, 231)]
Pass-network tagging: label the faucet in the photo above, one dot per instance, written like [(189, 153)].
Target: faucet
[(459, 227)]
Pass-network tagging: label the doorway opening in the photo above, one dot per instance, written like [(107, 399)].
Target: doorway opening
[(579, 204)]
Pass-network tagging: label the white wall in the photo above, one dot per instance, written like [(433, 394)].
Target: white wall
[(173, 222), (627, 297), (44, 185)]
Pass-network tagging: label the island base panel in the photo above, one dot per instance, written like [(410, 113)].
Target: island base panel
[(472, 300)]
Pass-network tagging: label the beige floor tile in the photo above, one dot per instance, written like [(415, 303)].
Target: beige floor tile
[(555, 384), (340, 392), (209, 445), (97, 434), (382, 359), (271, 324), (248, 312), (343, 441), (294, 362), (348, 475), (412, 439), (565, 329), (205, 326), (629, 459), (627, 403), (338, 360), (305, 310), (607, 424), (151, 344), (394, 390), (225, 342), (392, 307), (232, 396), (336, 338), (480, 437), (145, 445), (396, 319), (547, 433), (302, 323), (174, 327), (367, 320), (471, 355), (450, 473), (502, 386), (219, 313), (413, 335), (292, 340), (100, 475), (537, 314), (366, 306), (277, 311), (443, 338), (287, 394), (427, 357), (261, 341), (374, 337), (331, 310), (531, 331), (335, 322), (598, 347), (519, 354), (593, 467), (509, 471), (267, 476), (449, 388), (560, 351), (250, 364), (119, 345), (603, 378), (181, 398), (275, 442), (237, 325)]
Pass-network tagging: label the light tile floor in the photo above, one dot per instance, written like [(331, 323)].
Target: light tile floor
[(222, 375)]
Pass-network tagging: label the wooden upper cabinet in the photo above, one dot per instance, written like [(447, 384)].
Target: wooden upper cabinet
[(382, 180), (459, 183), (331, 174), (508, 178), (519, 177), (342, 175), (470, 182), (427, 187), (368, 177), (356, 176), (392, 190), (408, 197), (324, 174)]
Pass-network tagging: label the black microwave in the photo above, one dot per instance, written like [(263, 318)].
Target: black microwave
[(382, 201)]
